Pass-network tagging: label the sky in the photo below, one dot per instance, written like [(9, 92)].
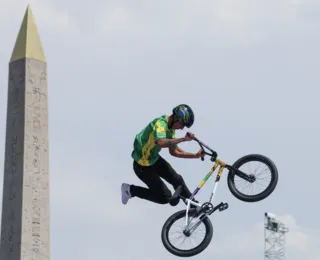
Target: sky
[(247, 68)]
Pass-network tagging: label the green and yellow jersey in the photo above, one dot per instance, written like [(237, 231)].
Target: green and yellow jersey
[(145, 151)]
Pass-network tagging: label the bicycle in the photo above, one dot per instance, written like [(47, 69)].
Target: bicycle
[(201, 212)]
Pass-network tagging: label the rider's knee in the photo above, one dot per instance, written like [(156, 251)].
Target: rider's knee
[(179, 178), (165, 199)]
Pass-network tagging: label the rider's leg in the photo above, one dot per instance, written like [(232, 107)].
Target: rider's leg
[(156, 192), (166, 171)]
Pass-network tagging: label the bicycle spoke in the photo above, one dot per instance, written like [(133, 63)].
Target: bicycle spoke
[(259, 172), (180, 240)]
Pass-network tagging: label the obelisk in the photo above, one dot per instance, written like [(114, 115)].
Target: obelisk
[(25, 223)]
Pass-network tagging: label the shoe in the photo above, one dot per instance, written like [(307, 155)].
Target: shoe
[(125, 193)]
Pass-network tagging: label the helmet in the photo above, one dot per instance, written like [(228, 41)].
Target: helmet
[(185, 114)]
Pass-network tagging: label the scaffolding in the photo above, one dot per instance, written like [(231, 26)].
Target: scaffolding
[(274, 236)]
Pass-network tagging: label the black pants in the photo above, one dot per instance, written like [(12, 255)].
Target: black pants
[(157, 190)]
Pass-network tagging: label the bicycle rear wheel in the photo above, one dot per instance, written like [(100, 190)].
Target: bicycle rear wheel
[(267, 163), (178, 216)]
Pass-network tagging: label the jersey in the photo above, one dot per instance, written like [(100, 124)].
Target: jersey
[(145, 151)]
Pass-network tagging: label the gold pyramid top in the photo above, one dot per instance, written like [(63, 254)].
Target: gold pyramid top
[(28, 43)]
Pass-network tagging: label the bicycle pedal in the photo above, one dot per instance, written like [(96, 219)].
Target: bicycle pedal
[(223, 207)]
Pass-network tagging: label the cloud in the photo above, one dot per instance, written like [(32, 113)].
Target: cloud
[(242, 23), (48, 14), (249, 242), (298, 238), (117, 19)]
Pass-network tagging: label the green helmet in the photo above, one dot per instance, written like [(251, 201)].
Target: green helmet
[(185, 114)]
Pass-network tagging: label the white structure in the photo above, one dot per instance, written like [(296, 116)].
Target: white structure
[(274, 236)]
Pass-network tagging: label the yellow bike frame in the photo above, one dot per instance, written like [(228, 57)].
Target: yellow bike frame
[(218, 163)]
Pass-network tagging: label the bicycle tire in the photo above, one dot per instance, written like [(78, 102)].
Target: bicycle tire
[(185, 253), (266, 192)]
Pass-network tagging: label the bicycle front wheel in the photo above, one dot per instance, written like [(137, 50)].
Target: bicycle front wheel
[(266, 171), (188, 243)]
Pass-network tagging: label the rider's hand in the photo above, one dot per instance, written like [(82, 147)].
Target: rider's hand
[(199, 154), (189, 136)]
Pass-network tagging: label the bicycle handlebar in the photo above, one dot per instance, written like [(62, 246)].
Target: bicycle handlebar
[(213, 153)]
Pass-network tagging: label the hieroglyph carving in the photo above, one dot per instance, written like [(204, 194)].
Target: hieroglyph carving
[(13, 165), (25, 214), (35, 236)]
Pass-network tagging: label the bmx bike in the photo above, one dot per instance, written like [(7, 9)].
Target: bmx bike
[(196, 213)]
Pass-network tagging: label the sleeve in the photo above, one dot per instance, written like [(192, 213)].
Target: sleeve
[(160, 130)]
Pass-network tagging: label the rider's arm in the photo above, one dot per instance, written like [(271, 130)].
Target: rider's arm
[(165, 143), (178, 152), (161, 138)]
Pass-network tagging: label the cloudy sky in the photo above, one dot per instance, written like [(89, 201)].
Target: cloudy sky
[(249, 70)]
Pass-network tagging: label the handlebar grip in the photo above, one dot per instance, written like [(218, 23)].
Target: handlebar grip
[(202, 156), (188, 134), (195, 138)]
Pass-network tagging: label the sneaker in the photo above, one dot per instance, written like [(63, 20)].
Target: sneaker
[(125, 192)]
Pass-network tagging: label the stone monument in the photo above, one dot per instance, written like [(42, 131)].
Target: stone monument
[(25, 222)]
